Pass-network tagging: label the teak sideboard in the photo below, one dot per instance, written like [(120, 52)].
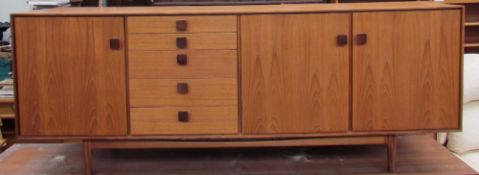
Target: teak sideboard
[(239, 76)]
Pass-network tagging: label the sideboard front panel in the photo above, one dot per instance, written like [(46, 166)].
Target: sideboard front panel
[(295, 73), (407, 72), (70, 82), (183, 76)]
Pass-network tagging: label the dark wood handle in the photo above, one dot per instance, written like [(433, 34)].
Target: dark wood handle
[(182, 88), (342, 40), (361, 39), (181, 25), (115, 44), (182, 59), (181, 42), (183, 116)]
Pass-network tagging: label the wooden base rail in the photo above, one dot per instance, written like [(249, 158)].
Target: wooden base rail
[(389, 141)]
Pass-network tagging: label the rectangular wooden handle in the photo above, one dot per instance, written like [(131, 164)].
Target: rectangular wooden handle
[(182, 59), (115, 44), (361, 39), (342, 40), (181, 25), (181, 42), (182, 88), (183, 116)]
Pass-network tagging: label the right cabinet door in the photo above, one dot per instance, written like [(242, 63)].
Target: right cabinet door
[(406, 70)]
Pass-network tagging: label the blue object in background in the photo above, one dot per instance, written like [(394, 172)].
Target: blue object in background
[(5, 68)]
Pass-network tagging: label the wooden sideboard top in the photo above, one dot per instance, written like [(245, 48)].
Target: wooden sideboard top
[(240, 9)]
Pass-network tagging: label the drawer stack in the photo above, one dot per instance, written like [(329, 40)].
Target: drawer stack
[(183, 75)]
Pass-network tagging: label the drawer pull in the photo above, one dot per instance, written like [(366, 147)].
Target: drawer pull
[(342, 40), (181, 42), (115, 44), (362, 39), (181, 25), (182, 59), (182, 88), (183, 116)]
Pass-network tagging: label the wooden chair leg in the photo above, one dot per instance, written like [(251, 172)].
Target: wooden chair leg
[(391, 144), (87, 157)]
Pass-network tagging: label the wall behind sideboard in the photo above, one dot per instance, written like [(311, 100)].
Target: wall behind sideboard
[(11, 6)]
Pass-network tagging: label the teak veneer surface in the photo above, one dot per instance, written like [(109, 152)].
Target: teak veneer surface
[(69, 81), (407, 76), (202, 92), (196, 41), (242, 9), (195, 24), (202, 120), (200, 64), (294, 79)]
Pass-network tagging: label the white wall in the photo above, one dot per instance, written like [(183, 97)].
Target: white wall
[(11, 6)]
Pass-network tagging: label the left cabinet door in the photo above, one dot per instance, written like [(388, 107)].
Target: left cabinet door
[(70, 80)]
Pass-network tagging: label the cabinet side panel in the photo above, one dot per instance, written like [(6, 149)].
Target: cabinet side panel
[(295, 78), (407, 75), (70, 83)]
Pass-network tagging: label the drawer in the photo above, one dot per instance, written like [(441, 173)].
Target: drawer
[(184, 120), (182, 24), (168, 92), (182, 41), (183, 64)]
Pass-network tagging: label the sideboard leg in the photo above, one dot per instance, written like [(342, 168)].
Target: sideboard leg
[(391, 144), (87, 153)]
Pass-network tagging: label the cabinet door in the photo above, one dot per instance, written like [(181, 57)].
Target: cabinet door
[(294, 75), (407, 73), (70, 82)]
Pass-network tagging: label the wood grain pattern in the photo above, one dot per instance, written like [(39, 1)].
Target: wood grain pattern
[(195, 41), (69, 81), (295, 79), (195, 24), (242, 9), (202, 120), (201, 64), (408, 75), (202, 92)]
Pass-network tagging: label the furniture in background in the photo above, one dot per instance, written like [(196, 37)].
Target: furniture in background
[(3, 142), (7, 120), (7, 117), (3, 27), (248, 76), (471, 24), (466, 142)]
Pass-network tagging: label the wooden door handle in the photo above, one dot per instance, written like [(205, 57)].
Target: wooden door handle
[(181, 42), (342, 40), (183, 116), (182, 59), (182, 88), (361, 39), (181, 25), (115, 43)]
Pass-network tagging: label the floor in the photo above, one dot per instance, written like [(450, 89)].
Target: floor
[(416, 155)]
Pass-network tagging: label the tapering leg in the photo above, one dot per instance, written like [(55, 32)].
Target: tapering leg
[(87, 153), (391, 144)]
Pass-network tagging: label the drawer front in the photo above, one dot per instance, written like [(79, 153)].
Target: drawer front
[(182, 24), (184, 120), (182, 41), (170, 92), (183, 64)]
